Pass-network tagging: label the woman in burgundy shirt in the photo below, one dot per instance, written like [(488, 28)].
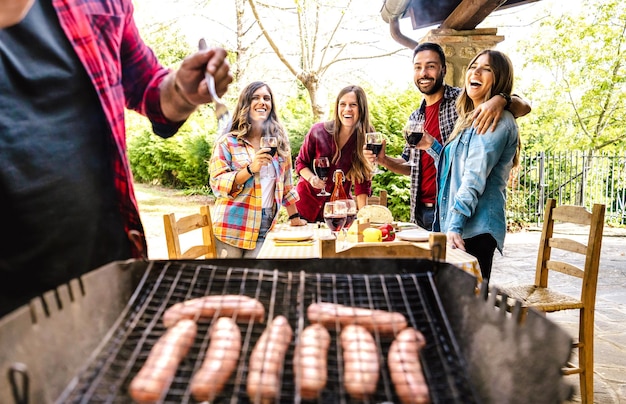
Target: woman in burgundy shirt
[(342, 141)]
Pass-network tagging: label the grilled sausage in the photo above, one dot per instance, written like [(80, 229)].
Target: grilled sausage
[(310, 361), (360, 361), (220, 361), (244, 307), (156, 375), (331, 315), (266, 361), (405, 368)]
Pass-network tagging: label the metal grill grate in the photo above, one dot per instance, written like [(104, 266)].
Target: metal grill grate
[(125, 349)]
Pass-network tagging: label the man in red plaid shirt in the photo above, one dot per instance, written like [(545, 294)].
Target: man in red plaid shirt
[(68, 70)]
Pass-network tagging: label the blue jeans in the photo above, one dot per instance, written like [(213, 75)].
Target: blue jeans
[(228, 251), (424, 216)]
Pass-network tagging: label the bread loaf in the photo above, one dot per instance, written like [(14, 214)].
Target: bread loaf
[(375, 214)]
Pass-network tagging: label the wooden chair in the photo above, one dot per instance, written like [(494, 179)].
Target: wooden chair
[(545, 299), (394, 249), (381, 199), (174, 228)]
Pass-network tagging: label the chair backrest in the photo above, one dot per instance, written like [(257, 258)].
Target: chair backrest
[(381, 199), (175, 227), (566, 263), (395, 249)]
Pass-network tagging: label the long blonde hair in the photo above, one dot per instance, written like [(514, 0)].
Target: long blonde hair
[(361, 169), (241, 118), (503, 83)]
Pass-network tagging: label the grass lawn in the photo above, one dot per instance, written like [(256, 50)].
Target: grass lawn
[(154, 202)]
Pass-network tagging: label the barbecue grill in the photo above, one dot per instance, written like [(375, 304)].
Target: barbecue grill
[(84, 342)]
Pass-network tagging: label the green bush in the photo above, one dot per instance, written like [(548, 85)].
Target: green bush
[(398, 189), (154, 160), (297, 119), (178, 162), (389, 112), (515, 209), (195, 152)]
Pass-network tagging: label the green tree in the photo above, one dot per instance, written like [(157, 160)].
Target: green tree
[(314, 35), (296, 117), (578, 80)]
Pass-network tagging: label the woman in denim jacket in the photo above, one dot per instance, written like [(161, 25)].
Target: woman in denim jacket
[(473, 169)]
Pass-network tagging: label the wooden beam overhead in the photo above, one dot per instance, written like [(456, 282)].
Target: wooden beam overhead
[(469, 13), (460, 15)]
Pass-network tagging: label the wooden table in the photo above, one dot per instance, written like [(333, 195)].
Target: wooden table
[(311, 249)]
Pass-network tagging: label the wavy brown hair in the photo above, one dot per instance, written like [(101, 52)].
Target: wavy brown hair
[(361, 169), (241, 118), (502, 69)]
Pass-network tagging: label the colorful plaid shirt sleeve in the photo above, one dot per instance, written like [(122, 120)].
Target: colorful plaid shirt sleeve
[(287, 188), (124, 72)]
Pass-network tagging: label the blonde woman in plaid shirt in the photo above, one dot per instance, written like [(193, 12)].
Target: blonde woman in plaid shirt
[(249, 183)]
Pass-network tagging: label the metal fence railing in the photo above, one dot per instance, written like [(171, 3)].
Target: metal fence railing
[(576, 177)]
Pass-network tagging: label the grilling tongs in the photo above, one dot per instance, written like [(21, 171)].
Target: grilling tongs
[(221, 110)]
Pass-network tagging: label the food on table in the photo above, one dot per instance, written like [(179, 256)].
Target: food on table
[(332, 315), (375, 213), (310, 361), (405, 367), (355, 232), (155, 376), (354, 228), (388, 232), (220, 361), (360, 361), (243, 308), (372, 235), (266, 361)]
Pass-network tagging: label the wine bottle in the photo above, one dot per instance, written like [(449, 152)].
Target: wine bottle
[(338, 191)]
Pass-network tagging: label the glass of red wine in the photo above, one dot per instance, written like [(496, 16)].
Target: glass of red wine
[(269, 142), (335, 215), (374, 143), (321, 168), (413, 132), (350, 217)]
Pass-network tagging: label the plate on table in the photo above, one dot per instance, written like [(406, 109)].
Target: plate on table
[(293, 236), (413, 235)]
